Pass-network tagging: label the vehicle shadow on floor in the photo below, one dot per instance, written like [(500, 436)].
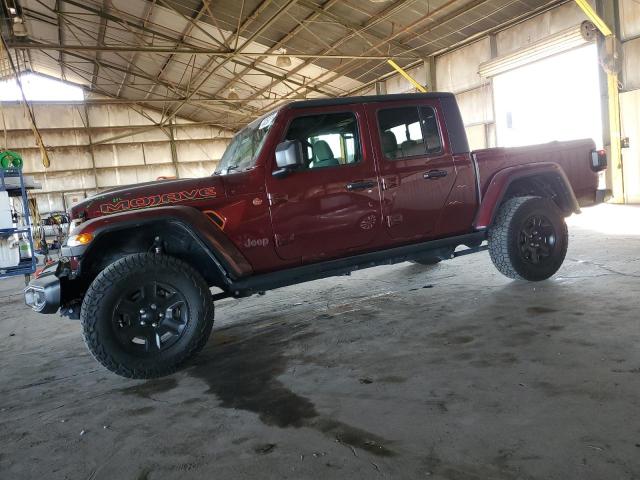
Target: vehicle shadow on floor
[(241, 366)]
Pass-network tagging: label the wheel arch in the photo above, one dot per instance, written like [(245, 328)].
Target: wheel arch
[(547, 180), (183, 232)]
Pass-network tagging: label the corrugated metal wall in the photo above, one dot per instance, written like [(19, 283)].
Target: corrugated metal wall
[(85, 156), (630, 98), (630, 33), (457, 72)]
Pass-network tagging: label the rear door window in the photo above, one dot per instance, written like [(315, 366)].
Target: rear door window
[(408, 132)]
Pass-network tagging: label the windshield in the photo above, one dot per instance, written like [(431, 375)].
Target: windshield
[(245, 146)]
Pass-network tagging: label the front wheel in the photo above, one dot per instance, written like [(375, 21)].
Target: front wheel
[(146, 314), (528, 239)]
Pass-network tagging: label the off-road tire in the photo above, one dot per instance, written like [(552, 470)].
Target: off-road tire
[(504, 238), (103, 293)]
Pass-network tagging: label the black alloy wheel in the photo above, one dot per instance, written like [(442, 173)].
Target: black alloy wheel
[(146, 315), (537, 239), (150, 318), (528, 238)]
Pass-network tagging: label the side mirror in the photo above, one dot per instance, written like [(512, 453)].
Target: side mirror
[(289, 156)]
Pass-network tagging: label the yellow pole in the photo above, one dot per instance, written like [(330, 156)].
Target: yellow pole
[(594, 17), (615, 130), (402, 72)]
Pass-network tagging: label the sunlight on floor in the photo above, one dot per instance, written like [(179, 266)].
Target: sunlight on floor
[(610, 219)]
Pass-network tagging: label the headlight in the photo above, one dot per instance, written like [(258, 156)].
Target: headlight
[(81, 239)]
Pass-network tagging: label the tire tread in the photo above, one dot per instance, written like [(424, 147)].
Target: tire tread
[(500, 233), (111, 274)]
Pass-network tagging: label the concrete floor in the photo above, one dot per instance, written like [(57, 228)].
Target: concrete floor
[(446, 372)]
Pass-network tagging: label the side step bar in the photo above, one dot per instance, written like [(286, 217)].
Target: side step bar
[(343, 266)]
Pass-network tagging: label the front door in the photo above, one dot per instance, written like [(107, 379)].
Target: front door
[(416, 167), (330, 206)]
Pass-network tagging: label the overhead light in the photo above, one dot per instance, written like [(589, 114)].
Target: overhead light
[(283, 62), (233, 95)]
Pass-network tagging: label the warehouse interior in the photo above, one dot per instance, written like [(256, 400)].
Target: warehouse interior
[(447, 371)]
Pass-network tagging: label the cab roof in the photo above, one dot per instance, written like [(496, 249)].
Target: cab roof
[(327, 102)]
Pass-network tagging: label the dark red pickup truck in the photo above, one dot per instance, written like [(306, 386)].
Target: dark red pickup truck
[(315, 189)]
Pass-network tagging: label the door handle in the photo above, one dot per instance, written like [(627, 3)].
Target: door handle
[(363, 185), (434, 174)]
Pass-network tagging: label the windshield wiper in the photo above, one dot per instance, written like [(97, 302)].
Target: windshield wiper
[(232, 167)]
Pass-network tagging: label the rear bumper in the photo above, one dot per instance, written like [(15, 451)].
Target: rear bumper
[(43, 294)]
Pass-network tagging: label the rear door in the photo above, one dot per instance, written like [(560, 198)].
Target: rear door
[(331, 206), (416, 167)]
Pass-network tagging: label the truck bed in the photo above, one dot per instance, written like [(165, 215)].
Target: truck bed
[(571, 156)]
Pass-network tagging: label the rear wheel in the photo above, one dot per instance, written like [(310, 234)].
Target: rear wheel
[(528, 239), (146, 314)]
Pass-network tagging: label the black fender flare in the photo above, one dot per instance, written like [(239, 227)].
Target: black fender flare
[(503, 179), (185, 222)]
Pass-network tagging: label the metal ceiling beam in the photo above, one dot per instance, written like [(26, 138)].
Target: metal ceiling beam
[(279, 44), (58, 8), (201, 101), (100, 42), (134, 57), (241, 26), (198, 51), (154, 80), (235, 109), (383, 14), (193, 20), (342, 70), (145, 103), (146, 76), (181, 41), (467, 41), (250, 39), (319, 10), (120, 20), (362, 28), (251, 18), (232, 109)]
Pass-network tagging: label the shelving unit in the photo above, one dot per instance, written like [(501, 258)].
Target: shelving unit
[(17, 188)]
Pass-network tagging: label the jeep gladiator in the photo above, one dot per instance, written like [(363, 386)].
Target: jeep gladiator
[(317, 188)]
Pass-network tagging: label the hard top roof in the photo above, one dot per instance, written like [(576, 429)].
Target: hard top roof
[(326, 102)]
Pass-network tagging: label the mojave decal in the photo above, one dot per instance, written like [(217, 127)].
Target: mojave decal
[(119, 205)]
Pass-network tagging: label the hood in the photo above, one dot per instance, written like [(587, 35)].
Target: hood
[(193, 191)]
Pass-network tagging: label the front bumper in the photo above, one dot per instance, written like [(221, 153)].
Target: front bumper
[(43, 294)]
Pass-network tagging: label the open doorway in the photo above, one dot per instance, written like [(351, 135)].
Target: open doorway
[(557, 98)]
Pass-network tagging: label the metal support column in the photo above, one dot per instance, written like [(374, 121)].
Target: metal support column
[(174, 150), (408, 77), (87, 126), (616, 168)]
